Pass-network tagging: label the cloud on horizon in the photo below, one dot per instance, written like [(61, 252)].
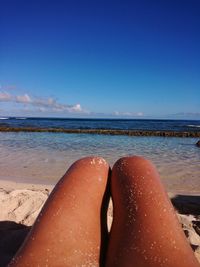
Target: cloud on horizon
[(186, 115), (49, 106), (41, 104), (128, 114), (38, 105)]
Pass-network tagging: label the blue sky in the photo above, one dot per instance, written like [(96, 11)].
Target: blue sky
[(135, 59)]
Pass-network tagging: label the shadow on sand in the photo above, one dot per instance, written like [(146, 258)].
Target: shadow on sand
[(186, 204)]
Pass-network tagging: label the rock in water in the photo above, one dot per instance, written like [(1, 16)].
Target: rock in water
[(198, 143)]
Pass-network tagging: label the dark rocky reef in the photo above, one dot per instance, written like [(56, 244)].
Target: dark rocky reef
[(198, 143), (103, 131)]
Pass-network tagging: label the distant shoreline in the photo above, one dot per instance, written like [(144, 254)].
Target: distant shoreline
[(103, 131)]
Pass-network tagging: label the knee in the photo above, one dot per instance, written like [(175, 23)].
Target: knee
[(88, 168), (91, 161), (131, 162)]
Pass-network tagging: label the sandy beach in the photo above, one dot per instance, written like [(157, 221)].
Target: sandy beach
[(20, 204)]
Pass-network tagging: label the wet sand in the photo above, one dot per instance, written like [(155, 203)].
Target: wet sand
[(20, 204)]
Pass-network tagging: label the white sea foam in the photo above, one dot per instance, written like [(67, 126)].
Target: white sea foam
[(4, 118), (194, 126)]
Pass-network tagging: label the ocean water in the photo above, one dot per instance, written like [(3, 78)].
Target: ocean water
[(44, 157), (116, 124)]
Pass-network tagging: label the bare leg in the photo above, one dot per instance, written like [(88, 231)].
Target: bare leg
[(145, 230), (68, 231)]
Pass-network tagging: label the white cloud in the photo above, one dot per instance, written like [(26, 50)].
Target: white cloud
[(187, 114), (5, 97), (25, 99), (50, 105), (42, 109), (128, 114), (76, 108), (41, 104), (140, 114)]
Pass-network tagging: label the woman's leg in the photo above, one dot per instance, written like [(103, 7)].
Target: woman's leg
[(145, 230), (68, 231)]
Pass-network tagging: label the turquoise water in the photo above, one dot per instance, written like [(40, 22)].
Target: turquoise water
[(44, 157)]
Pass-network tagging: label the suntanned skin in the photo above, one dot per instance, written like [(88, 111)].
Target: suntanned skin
[(68, 231), (71, 228), (145, 231)]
